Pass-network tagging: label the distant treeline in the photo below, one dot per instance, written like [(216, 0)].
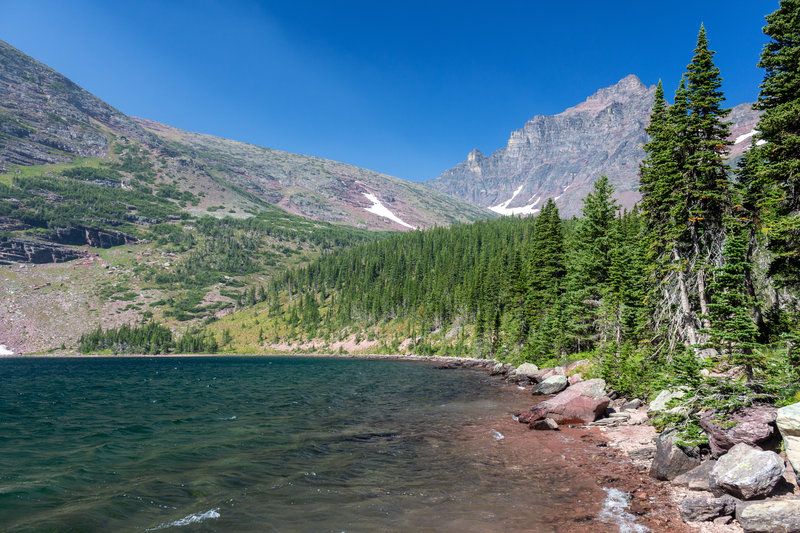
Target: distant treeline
[(149, 338)]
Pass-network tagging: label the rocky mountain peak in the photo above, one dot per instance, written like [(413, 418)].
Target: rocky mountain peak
[(561, 156), (628, 88)]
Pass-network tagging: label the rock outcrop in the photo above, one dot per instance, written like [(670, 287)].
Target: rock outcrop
[(30, 251), (561, 156)]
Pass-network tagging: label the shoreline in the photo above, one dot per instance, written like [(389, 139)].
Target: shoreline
[(598, 453)]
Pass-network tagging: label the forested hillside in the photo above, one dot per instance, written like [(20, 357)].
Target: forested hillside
[(702, 275)]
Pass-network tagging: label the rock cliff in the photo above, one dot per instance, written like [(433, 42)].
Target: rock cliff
[(561, 156)]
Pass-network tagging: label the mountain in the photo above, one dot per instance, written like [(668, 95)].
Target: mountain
[(47, 119), (107, 219), (561, 156)]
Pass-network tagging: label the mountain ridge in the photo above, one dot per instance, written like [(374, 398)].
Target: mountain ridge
[(560, 156)]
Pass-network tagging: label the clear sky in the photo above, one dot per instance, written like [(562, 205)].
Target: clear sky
[(406, 88)]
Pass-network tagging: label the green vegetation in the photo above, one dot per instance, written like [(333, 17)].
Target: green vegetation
[(669, 295), (149, 338)]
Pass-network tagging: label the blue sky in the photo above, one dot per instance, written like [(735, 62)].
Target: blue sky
[(406, 88)]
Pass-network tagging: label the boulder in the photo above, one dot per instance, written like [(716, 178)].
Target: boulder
[(581, 403), (552, 385), (788, 422), (575, 378), (697, 478), (525, 371), (545, 424), (747, 472), (633, 404), (499, 369), (769, 516), (659, 405), (750, 425), (671, 460), (705, 509), (555, 371)]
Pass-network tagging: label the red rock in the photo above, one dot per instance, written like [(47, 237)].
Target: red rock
[(754, 426), (575, 378), (581, 403)]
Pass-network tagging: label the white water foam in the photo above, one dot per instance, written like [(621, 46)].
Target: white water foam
[(498, 435), (614, 512), (194, 518)]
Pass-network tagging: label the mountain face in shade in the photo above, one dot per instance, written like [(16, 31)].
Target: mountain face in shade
[(561, 156)]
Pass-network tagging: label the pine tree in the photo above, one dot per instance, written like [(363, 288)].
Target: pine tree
[(773, 176)]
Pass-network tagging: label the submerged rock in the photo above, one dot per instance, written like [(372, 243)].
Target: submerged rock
[(747, 472), (788, 422)]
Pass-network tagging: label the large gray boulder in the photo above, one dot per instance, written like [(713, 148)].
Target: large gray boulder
[(671, 460), (747, 472), (769, 516), (659, 405), (580, 403), (552, 385), (524, 372), (788, 422), (703, 509), (751, 425), (697, 478)]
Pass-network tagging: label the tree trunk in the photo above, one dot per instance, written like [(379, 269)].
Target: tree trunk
[(686, 307)]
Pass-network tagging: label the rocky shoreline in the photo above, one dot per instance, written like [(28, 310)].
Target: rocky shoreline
[(743, 485)]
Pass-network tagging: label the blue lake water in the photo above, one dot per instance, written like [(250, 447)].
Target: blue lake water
[(265, 444)]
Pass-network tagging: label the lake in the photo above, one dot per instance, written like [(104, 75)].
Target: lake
[(274, 444)]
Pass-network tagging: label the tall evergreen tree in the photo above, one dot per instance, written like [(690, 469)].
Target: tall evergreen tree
[(773, 172)]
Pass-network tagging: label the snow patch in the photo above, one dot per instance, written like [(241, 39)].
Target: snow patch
[(5, 351), (503, 208), (381, 210), (760, 142), (742, 138)]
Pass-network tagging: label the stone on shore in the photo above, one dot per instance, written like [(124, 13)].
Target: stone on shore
[(555, 371), (671, 460), (552, 385), (788, 422), (750, 425), (580, 403), (500, 369), (703, 509), (747, 472), (769, 516), (659, 405), (524, 372), (697, 478), (575, 378), (545, 424)]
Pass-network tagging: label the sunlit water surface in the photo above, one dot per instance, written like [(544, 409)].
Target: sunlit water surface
[(260, 444)]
